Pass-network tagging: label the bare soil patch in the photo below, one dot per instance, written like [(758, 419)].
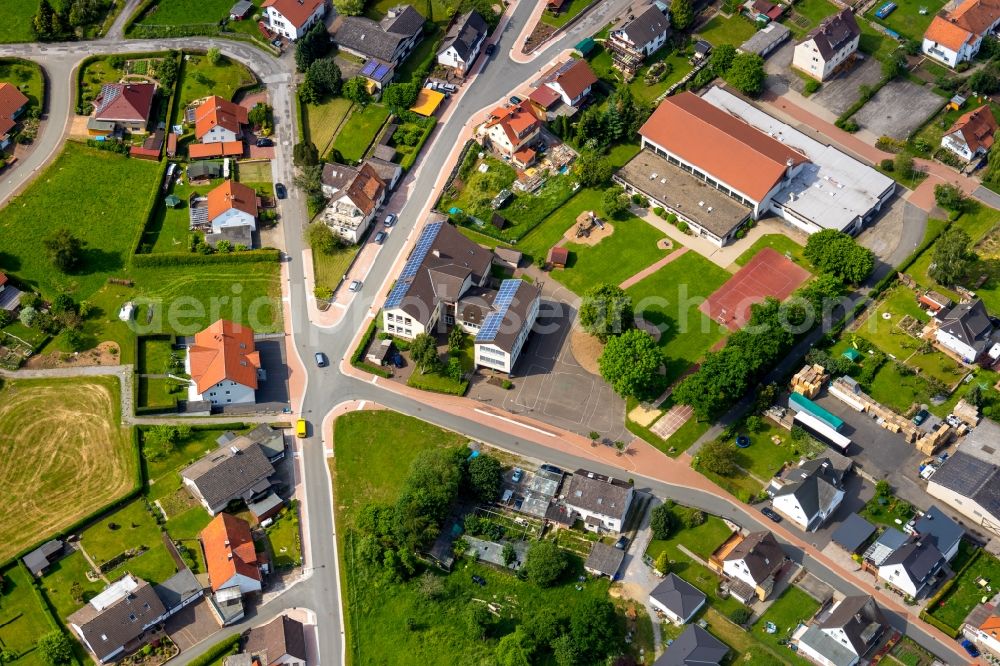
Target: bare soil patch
[(106, 353), (586, 350), (595, 236)]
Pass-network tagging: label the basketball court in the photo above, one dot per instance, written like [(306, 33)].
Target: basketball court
[(769, 273)]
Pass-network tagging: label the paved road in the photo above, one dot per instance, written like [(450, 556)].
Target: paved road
[(328, 387)]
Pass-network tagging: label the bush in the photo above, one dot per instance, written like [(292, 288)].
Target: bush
[(740, 615), (887, 165), (811, 86), (545, 563)]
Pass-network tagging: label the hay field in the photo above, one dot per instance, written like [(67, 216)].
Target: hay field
[(63, 455)]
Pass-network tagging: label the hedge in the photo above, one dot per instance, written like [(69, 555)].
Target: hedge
[(938, 624), (221, 649), (410, 158), (191, 259), (416, 382), (154, 198), (358, 355)]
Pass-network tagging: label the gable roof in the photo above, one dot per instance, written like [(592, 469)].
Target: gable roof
[(885, 545), (833, 651), (574, 78), (118, 615), (762, 554), (977, 128), (124, 102), (224, 351), (377, 39), (224, 474), (645, 27), (976, 16), (464, 34), (967, 322), (938, 528), (270, 642), (544, 96), (947, 34), (403, 20), (179, 588), (605, 559), (218, 112), (729, 149), (834, 33), (40, 558), (860, 619), (12, 100), (816, 488), (918, 559), (229, 195), (229, 550), (515, 121), (296, 11), (694, 647), (597, 493), (677, 595), (198, 151)]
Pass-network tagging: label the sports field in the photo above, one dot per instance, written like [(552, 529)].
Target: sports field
[(64, 455)]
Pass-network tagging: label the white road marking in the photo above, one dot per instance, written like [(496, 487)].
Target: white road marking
[(517, 423)]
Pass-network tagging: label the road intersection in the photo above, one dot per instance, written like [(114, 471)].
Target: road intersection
[(319, 392)]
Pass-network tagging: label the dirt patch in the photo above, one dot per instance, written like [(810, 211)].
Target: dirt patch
[(106, 353), (78, 127), (665, 244), (649, 327), (644, 415), (594, 236), (586, 350), (538, 36)]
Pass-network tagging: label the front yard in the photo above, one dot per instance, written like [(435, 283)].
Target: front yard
[(358, 133), (721, 30), (27, 76), (23, 618), (966, 593)]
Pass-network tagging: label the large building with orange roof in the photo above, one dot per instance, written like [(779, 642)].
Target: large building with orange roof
[(223, 363), (230, 555), (217, 120), (231, 204), (955, 36)]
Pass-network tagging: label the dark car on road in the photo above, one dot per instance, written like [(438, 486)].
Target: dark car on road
[(264, 142), (380, 237), (490, 49), (321, 359), (770, 513), (280, 191), (622, 543)]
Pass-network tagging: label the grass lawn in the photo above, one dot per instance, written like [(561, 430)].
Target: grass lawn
[(162, 471), (722, 30), (60, 578), (190, 12), (421, 57), (18, 15), (357, 134), (106, 218), (131, 526), (441, 9), (438, 382), (809, 13), (743, 647), (872, 42), (330, 269), (323, 120), (95, 74), (27, 76), (373, 454), (570, 9), (283, 536), (159, 392), (154, 355), (908, 653), (23, 619), (886, 514), (791, 608), (778, 242), (907, 18), (669, 299), (200, 78), (764, 458), (701, 540), (87, 460), (965, 594)]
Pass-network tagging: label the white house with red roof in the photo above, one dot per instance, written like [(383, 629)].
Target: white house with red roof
[(572, 81), (972, 134), (230, 556), (232, 204), (217, 120), (223, 363), (292, 18), (955, 36), (122, 106), (12, 103), (511, 129)]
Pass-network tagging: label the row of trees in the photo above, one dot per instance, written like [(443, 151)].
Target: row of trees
[(835, 252), (69, 19)]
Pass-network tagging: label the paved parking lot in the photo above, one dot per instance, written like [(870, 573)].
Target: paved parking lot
[(550, 385), (839, 93), (898, 109)]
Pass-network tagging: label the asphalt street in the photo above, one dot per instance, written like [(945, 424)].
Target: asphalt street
[(328, 387)]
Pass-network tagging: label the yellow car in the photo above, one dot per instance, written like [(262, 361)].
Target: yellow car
[(300, 428)]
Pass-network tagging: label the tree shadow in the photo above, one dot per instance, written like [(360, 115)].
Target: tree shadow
[(95, 260), (9, 262)]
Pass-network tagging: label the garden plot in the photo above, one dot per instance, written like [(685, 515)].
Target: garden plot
[(899, 109)]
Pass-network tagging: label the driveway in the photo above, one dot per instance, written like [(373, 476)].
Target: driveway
[(638, 579), (192, 625)]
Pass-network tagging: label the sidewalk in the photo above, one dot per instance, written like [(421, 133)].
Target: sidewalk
[(649, 270)]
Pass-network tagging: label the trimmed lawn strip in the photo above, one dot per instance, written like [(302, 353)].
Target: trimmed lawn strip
[(357, 134), (164, 472), (323, 120), (778, 242), (791, 608), (330, 269), (570, 10)]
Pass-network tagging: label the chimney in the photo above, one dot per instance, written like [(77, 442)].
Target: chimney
[(229, 556), (226, 544), (436, 252)]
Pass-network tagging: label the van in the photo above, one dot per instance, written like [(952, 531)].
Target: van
[(300, 428)]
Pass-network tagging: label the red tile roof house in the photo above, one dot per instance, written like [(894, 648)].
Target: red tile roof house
[(292, 18), (955, 36), (234, 569), (572, 82), (12, 103), (217, 120), (232, 204), (972, 134), (511, 128), (122, 106), (223, 363)]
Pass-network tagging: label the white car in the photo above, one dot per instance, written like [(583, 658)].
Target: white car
[(390, 219), (355, 285)]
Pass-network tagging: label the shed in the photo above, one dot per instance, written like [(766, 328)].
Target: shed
[(852, 533), (240, 10), (39, 559), (172, 144), (381, 352), (585, 46), (702, 49), (507, 256), (558, 257), (604, 560)]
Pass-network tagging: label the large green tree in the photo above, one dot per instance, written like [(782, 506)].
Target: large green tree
[(606, 310), (615, 202), (662, 521), (681, 14), (722, 58), (312, 46), (835, 252), (356, 90), (485, 477), (423, 351), (400, 96), (323, 76), (746, 73), (545, 563), (593, 626), (630, 363), (593, 169), (64, 249), (952, 258), (55, 648), (719, 457)]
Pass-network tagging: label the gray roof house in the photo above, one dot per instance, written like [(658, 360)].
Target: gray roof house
[(694, 647), (604, 560), (178, 591), (969, 480), (965, 329), (602, 502), (811, 498), (237, 472), (885, 545), (115, 621), (852, 533), (911, 567), (390, 40), (462, 44), (280, 641), (939, 529), (39, 560), (849, 630), (676, 598)]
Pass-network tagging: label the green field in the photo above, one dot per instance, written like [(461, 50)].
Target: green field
[(669, 299), (701, 540), (778, 242), (373, 454), (722, 30), (190, 12), (907, 18), (323, 120), (132, 526), (330, 269), (764, 458), (17, 20), (65, 455), (23, 619), (358, 132), (965, 594), (27, 76), (200, 78), (107, 218)]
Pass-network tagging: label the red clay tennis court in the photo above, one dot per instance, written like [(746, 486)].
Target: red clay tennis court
[(769, 273)]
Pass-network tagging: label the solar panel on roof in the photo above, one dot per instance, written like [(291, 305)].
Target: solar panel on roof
[(381, 71), (369, 68), (508, 288), (427, 238)]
